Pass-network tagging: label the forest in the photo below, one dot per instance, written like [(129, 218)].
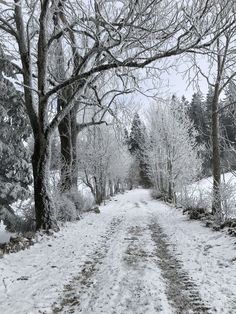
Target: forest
[(92, 133)]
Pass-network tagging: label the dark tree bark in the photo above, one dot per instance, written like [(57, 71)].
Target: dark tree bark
[(215, 136), (44, 206), (64, 129), (117, 187), (74, 134), (68, 139), (216, 167), (111, 188), (98, 192)]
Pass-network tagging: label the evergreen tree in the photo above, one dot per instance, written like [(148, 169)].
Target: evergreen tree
[(197, 116), (208, 112), (184, 105), (15, 173), (199, 112), (228, 116), (126, 137), (136, 136), (137, 148)]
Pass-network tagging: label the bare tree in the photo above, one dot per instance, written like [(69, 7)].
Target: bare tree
[(108, 35), (221, 72), (172, 153), (104, 161)]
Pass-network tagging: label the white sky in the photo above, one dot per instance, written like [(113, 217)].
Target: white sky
[(172, 81)]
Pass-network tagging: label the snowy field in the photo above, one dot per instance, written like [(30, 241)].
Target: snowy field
[(200, 193), (205, 185), (137, 256)]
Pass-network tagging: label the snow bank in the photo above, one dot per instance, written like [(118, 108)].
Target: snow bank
[(205, 185), (31, 280), (200, 193), (4, 234), (208, 256)]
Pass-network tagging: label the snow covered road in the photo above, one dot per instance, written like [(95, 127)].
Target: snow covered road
[(137, 256)]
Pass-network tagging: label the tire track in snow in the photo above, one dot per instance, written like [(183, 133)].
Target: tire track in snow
[(125, 273), (71, 299), (129, 280), (181, 291), (121, 276), (139, 260)]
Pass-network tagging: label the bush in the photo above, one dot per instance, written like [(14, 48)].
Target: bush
[(77, 198), (196, 213), (22, 224), (194, 200), (201, 198), (156, 194), (22, 218), (65, 208), (228, 200), (71, 204)]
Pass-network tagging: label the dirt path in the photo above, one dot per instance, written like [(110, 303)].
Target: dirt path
[(132, 272), (82, 288), (181, 291), (138, 256)]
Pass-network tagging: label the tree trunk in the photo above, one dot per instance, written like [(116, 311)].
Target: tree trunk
[(68, 139), (117, 187), (44, 206), (111, 188), (74, 134), (170, 180), (98, 192), (104, 191), (64, 129), (216, 169), (162, 190)]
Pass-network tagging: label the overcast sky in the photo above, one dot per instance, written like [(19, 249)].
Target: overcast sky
[(175, 80)]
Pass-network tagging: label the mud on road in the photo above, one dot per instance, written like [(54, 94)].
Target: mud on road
[(182, 293), (127, 272)]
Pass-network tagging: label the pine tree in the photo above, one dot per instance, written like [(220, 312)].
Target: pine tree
[(136, 145), (199, 112), (228, 116), (226, 119), (208, 113), (197, 116), (15, 173)]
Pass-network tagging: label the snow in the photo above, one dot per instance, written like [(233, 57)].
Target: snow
[(108, 263), (4, 234), (201, 192), (48, 265), (208, 256), (205, 185)]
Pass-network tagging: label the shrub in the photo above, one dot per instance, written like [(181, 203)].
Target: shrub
[(65, 208), (22, 218), (156, 194), (194, 200), (77, 198)]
